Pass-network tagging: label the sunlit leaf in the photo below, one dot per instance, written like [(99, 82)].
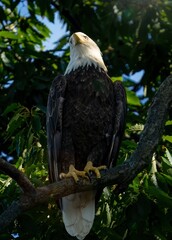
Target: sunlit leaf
[(167, 138), (7, 34), (132, 99), (116, 78), (169, 156), (165, 160), (169, 122)]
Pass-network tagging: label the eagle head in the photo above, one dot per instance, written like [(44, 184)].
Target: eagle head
[(84, 52)]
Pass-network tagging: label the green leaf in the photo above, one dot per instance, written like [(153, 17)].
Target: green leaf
[(116, 78), (14, 123), (168, 178), (169, 122), (132, 99), (12, 107), (10, 35), (36, 123), (30, 141), (6, 60), (19, 162), (168, 156), (167, 138), (161, 196), (165, 160)]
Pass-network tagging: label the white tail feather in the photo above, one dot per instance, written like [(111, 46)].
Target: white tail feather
[(78, 212)]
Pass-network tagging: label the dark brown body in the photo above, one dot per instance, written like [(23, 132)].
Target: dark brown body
[(85, 120), (88, 119)]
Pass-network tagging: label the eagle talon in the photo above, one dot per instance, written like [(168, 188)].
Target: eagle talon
[(75, 174), (90, 168)]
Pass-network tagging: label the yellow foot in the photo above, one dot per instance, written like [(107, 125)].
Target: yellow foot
[(89, 167), (73, 173)]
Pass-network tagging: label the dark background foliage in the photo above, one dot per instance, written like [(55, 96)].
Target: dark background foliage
[(133, 35)]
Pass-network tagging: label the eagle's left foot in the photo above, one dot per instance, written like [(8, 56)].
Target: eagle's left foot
[(75, 174), (90, 168)]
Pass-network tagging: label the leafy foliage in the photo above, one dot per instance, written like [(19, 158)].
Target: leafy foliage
[(133, 36)]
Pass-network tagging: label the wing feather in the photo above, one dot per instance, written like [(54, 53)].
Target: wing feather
[(54, 124), (119, 123)]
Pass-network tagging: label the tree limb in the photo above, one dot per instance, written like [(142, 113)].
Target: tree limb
[(18, 176), (67, 15), (121, 175)]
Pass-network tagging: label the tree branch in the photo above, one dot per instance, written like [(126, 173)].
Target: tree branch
[(18, 176), (66, 13), (121, 175)]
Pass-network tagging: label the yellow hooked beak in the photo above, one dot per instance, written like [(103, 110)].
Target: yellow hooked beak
[(78, 39)]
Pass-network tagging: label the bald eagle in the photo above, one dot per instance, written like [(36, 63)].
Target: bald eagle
[(85, 123)]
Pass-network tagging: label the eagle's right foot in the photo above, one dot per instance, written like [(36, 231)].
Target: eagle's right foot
[(90, 168), (75, 174)]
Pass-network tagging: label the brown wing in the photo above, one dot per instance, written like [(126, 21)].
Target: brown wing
[(119, 123), (54, 124)]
